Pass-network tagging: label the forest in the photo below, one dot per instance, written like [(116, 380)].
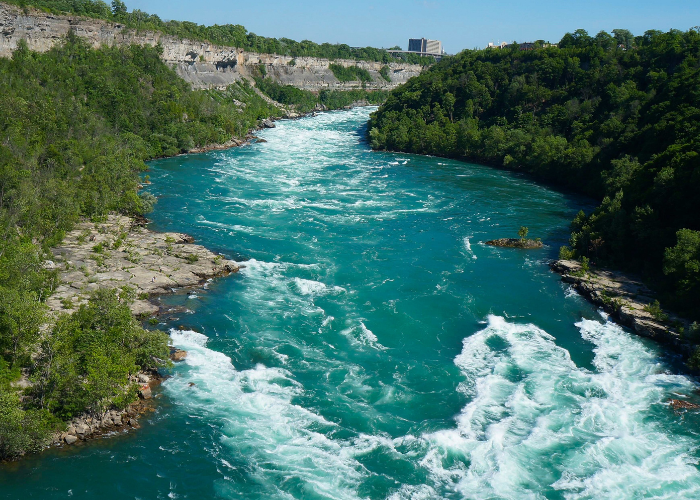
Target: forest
[(232, 35), (76, 125), (613, 116), (306, 100)]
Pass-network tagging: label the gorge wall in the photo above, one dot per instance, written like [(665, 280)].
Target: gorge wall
[(201, 64)]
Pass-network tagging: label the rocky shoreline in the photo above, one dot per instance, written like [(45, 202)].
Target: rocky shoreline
[(121, 252), (629, 302), (111, 422)]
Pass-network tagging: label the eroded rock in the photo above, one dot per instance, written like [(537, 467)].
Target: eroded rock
[(679, 404), (178, 355)]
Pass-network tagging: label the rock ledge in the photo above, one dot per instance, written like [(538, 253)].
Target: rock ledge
[(119, 252), (625, 297)]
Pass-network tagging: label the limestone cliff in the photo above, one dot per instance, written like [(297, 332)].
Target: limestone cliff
[(201, 64)]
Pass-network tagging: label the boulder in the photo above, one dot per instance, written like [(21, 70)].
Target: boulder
[(267, 123), (82, 430), (144, 393), (143, 378), (178, 355), (69, 439)]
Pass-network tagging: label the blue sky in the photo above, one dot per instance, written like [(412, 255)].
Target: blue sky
[(460, 25)]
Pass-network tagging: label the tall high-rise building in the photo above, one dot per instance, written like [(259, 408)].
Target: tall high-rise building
[(425, 46)]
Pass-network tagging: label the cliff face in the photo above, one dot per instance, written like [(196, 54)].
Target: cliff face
[(201, 64)]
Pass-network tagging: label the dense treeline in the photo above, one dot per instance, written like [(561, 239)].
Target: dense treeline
[(612, 116), (76, 125), (306, 100), (233, 35)]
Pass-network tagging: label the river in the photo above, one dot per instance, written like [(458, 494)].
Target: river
[(374, 348)]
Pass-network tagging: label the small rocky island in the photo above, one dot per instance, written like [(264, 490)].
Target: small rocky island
[(521, 242)]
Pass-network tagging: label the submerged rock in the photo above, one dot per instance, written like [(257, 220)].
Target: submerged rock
[(679, 404)]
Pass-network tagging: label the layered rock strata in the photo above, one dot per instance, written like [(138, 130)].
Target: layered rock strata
[(202, 64)]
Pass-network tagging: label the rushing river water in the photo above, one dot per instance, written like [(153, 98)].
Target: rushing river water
[(374, 347)]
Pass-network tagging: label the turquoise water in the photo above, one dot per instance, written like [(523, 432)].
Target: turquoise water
[(374, 347)]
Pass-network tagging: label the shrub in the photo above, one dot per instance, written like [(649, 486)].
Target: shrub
[(655, 310)]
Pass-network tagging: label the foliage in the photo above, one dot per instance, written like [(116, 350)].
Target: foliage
[(616, 117), (384, 73), (233, 35), (522, 233), (306, 100), (84, 365), (337, 99), (76, 125), (656, 311), (350, 73), (683, 263), (22, 430)]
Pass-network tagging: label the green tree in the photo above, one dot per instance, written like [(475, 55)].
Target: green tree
[(522, 233), (22, 431)]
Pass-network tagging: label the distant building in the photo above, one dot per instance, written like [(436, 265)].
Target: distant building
[(425, 47), (522, 46)]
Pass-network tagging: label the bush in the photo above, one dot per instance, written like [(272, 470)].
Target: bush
[(350, 73), (85, 363), (22, 431), (655, 310)]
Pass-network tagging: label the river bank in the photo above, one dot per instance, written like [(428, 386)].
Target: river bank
[(629, 302), (120, 252)]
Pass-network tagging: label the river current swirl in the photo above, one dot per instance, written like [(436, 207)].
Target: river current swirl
[(374, 348)]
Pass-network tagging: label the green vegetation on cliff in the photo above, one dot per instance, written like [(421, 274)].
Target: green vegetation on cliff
[(232, 35), (76, 125), (616, 117), (350, 73), (306, 100)]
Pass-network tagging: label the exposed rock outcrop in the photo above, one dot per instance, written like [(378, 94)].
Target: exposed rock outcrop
[(86, 427), (515, 243), (202, 64), (119, 252), (628, 301)]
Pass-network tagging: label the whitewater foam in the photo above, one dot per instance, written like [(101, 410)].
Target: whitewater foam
[(536, 422), (258, 418)]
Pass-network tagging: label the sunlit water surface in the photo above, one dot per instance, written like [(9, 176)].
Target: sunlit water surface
[(374, 347)]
